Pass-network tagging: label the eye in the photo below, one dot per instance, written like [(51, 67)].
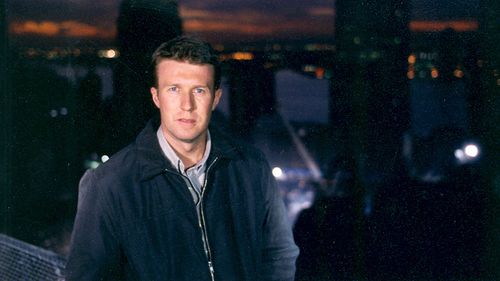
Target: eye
[(172, 89), (200, 91)]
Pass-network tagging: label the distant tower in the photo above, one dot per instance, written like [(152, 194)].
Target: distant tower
[(142, 26), (369, 99)]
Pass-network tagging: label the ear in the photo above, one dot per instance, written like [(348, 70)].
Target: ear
[(154, 95), (217, 96)]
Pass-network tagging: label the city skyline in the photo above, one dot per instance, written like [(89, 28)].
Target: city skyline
[(64, 22)]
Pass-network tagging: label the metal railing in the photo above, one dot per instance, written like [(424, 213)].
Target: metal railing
[(21, 261)]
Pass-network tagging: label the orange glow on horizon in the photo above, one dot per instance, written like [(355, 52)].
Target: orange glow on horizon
[(241, 23), (322, 11), (256, 23), (199, 26), (44, 28), (65, 28), (433, 26)]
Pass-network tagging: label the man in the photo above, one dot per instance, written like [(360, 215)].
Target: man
[(182, 202)]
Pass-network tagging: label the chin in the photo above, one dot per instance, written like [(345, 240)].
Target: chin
[(189, 138)]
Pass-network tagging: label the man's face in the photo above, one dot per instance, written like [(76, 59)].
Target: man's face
[(186, 98)]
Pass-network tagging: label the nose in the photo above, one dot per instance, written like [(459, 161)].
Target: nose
[(187, 102)]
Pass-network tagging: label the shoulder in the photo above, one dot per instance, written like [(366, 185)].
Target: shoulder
[(119, 164), (120, 168), (238, 150), (251, 153)]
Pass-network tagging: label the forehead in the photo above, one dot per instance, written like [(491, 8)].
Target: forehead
[(174, 69)]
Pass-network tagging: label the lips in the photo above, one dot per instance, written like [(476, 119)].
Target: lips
[(186, 121)]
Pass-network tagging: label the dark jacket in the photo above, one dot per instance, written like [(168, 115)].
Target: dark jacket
[(136, 219)]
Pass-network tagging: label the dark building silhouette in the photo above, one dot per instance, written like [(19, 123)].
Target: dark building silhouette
[(90, 118), (142, 26), (369, 104), (417, 228), (5, 124), (43, 144), (369, 97), (465, 90), (370, 112), (325, 232), (487, 116), (251, 93)]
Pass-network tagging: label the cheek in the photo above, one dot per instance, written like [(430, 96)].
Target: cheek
[(166, 103)]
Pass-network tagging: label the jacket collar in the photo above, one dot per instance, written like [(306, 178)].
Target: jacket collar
[(151, 160)]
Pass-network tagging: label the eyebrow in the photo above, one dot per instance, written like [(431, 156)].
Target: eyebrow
[(197, 86)]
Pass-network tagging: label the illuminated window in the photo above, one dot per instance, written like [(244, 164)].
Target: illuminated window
[(410, 74), (242, 56), (320, 73), (412, 59), (458, 73), (434, 73)]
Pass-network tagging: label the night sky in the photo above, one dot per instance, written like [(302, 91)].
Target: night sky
[(219, 21)]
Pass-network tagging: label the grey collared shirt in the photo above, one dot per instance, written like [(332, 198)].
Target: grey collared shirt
[(196, 174)]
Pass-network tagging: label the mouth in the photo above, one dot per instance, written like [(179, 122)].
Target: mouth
[(186, 121)]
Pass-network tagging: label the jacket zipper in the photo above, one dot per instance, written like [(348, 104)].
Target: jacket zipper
[(201, 220)]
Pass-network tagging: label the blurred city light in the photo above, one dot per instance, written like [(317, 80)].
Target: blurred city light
[(410, 74), (320, 73), (108, 54), (309, 68), (434, 73), (412, 59), (242, 56), (277, 172), (459, 154), (104, 158), (468, 153), (458, 73), (63, 111), (91, 164), (471, 150)]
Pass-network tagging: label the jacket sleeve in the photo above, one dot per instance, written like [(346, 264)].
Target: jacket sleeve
[(279, 250), (94, 251)]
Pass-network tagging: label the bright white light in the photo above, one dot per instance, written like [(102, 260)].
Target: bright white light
[(459, 154), (109, 53), (104, 158), (277, 172), (471, 150), (468, 153)]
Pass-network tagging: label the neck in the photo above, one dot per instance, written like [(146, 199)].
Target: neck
[(189, 153)]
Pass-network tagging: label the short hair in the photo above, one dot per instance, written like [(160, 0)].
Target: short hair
[(186, 49)]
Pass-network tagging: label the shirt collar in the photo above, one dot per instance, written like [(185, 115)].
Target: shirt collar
[(170, 154)]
